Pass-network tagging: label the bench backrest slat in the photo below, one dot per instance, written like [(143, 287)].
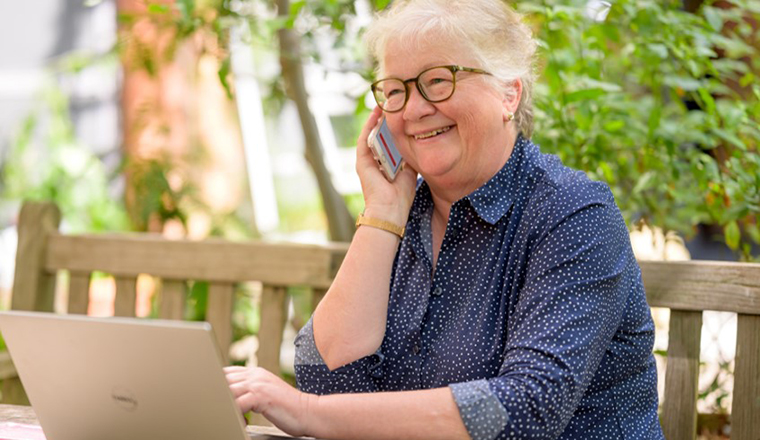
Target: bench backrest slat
[(79, 292), (703, 285), (273, 316), (37, 221), (173, 299), (125, 302), (679, 412), (221, 297), (209, 260), (745, 410)]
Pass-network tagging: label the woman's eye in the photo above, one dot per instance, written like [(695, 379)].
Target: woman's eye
[(436, 81)]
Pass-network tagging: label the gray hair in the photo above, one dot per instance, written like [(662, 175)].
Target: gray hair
[(489, 29)]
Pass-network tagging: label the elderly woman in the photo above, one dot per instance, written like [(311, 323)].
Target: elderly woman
[(496, 297)]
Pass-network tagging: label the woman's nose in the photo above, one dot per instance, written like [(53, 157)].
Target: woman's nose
[(417, 106)]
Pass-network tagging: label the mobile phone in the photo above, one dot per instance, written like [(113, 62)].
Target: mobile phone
[(384, 149)]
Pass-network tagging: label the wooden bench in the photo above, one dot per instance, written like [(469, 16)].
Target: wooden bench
[(687, 288), (43, 251)]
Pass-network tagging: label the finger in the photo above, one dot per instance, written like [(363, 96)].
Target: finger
[(247, 402), (229, 371), (238, 389), (238, 377)]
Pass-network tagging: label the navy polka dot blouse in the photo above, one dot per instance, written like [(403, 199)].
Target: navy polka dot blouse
[(535, 316)]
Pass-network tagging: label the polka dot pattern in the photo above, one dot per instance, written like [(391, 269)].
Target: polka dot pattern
[(535, 316)]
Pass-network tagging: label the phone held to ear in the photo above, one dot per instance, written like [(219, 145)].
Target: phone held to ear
[(385, 151)]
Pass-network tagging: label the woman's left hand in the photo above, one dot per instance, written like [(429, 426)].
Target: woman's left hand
[(256, 389)]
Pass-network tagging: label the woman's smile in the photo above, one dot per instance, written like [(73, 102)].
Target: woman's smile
[(424, 135)]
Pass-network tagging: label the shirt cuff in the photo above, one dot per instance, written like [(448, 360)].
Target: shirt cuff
[(482, 413)]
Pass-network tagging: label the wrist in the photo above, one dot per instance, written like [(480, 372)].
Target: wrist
[(387, 214), (311, 420), (373, 222)]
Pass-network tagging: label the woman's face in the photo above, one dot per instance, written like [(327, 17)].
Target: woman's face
[(474, 144)]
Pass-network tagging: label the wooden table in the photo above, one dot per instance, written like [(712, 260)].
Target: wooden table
[(26, 415)]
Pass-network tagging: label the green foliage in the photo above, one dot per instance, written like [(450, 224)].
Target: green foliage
[(46, 162), (661, 104), (197, 301), (158, 197), (717, 391)]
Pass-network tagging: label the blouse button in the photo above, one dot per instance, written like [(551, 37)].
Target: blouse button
[(437, 291), (416, 349)]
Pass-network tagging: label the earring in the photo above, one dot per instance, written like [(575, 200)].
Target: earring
[(510, 116)]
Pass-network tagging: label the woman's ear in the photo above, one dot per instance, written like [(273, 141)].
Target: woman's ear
[(511, 100)]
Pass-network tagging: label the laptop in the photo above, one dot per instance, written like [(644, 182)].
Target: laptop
[(123, 378)]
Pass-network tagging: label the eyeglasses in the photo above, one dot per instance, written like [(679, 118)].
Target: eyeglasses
[(435, 84)]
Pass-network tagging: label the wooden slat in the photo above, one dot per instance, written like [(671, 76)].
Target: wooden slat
[(173, 300), (211, 260), (745, 420), (7, 369), (221, 297), (33, 288), (79, 292), (126, 297), (274, 300), (703, 285), (13, 392), (679, 412)]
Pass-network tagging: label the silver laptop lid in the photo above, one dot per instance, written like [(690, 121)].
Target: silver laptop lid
[(122, 378)]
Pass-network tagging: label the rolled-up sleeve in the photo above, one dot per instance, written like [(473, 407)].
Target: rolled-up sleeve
[(580, 274), (313, 376)]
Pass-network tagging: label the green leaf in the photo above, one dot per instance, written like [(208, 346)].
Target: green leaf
[(614, 125), (654, 120), (659, 49), (224, 74), (732, 234), (713, 17), (729, 137), (643, 182), (197, 301), (158, 8), (754, 232), (707, 99), (186, 9), (584, 95), (590, 83), (684, 83), (609, 176), (295, 7), (381, 4), (747, 79)]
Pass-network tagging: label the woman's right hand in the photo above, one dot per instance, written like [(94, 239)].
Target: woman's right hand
[(390, 201)]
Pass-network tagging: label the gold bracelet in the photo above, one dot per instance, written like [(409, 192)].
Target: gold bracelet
[(380, 224)]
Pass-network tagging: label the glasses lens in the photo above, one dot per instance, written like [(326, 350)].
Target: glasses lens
[(437, 84), (390, 94)]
